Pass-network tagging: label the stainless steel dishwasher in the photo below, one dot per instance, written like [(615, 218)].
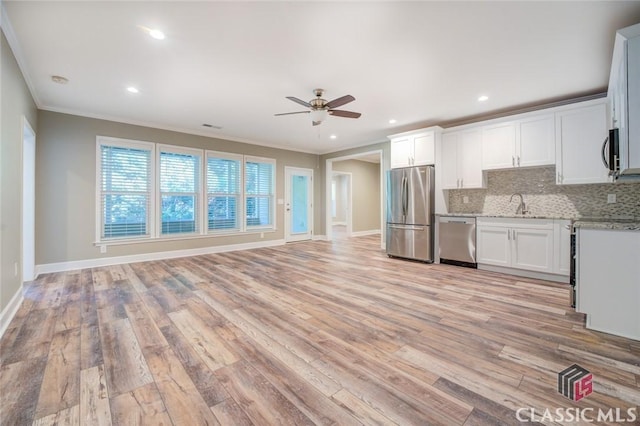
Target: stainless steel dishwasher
[(457, 240)]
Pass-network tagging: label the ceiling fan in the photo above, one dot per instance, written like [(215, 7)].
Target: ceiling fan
[(320, 109)]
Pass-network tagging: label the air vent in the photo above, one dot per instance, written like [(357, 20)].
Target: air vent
[(211, 126)]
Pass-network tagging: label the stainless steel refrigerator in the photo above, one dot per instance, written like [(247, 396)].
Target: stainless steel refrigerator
[(410, 213)]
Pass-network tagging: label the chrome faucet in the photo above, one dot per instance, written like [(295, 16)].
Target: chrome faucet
[(522, 206)]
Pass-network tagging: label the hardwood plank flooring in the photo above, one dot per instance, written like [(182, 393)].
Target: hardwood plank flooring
[(327, 333)]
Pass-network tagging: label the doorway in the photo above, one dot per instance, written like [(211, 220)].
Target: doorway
[(28, 200), (298, 204), (341, 204), (374, 156)]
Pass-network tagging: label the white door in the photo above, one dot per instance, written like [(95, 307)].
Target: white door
[(424, 149), (401, 152), (298, 204), (494, 245), (536, 141), (532, 249), (28, 201), (580, 134), (449, 167), (470, 159), (498, 143)]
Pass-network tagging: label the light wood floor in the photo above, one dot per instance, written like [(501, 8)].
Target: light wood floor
[(307, 333)]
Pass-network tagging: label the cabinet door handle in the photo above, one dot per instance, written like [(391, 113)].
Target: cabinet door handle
[(559, 179), (513, 236), (513, 160), (508, 234), (461, 183), (518, 161)]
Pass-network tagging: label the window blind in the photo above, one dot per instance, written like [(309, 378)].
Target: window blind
[(179, 188), (259, 192), (125, 191), (223, 192)]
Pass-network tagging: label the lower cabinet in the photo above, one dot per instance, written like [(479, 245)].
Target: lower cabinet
[(516, 243), (540, 245)]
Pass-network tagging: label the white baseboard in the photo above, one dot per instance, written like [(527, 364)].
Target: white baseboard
[(319, 238), (363, 233), (10, 310), (117, 260), (528, 274)]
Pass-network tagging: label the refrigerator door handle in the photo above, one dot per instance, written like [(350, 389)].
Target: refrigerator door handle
[(404, 198), (407, 227)]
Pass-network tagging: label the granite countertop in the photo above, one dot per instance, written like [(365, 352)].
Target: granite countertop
[(608, 223), (509, 216), (629, 223)]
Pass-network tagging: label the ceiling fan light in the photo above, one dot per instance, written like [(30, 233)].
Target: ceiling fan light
[(319, 115)]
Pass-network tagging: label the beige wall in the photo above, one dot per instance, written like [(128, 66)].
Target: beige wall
[(341, 198), (66, 190), (365, 199), (16, 103)]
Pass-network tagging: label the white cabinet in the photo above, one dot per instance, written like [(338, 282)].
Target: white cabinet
[(562, 247), (523, 143), (580, 134), (413, 148), (461, 160), (608, 287), (516, 243)]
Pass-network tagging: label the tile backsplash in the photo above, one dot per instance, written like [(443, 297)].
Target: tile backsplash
[(544, 198)]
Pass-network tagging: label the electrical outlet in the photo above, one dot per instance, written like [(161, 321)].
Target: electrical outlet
[(103, 249), (15, 269), (465, 200), (262, 235), (611, 198)]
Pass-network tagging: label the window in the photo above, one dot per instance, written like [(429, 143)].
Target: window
[(223, 191), (259, 192), (179, 190), (125, 181), (146, 190)]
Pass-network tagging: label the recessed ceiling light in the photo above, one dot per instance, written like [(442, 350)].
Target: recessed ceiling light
[(483, 98), (59, 79), (157, 34), (333, 136), (132, 90), (393, 121)]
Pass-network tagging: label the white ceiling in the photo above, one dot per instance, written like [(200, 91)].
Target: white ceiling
[(231, 64)]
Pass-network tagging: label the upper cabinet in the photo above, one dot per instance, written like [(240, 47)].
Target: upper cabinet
[(461, 160), (580, 135), (415, 148), (523, 143)]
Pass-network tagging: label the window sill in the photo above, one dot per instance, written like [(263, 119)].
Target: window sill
[(183, 237)]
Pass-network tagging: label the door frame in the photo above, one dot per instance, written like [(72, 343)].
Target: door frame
[(28, 194), (327, 194), (349, 200), (287, 200)]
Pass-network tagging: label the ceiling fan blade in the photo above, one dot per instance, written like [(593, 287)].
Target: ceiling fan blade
[(340, 101), (299, 101), (289, 113), (342, 113), (316, 123)]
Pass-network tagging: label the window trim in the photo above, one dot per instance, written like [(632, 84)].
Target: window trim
[(175, 149), (272, 161), (154, 214), (123, 143), (241, 198)]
